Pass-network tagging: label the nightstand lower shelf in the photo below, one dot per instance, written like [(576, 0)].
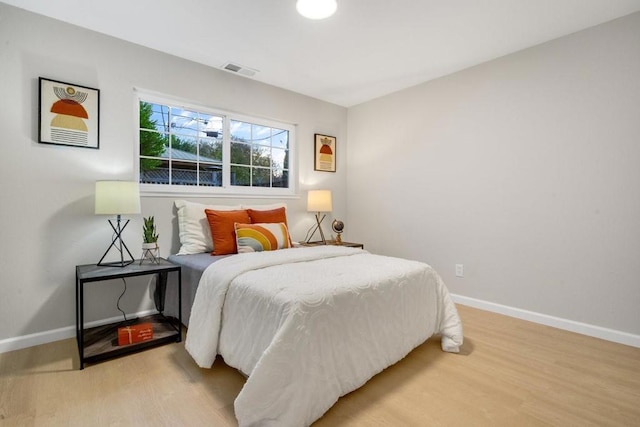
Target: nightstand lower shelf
[(101, 342)]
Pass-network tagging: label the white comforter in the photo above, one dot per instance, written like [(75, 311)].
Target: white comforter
[(309, 325)]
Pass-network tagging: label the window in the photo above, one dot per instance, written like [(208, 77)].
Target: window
[(195, 150), (259, 155)]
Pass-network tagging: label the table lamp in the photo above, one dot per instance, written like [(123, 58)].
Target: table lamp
[(319, 201), (117, 198)]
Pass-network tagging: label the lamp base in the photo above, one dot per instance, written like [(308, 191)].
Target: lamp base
[(122, 263), (118, 244), (318, 227)]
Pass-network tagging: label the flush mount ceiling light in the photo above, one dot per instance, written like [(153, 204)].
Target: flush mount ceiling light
[(316, 9)]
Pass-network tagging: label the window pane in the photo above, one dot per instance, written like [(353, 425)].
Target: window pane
[(210, 150), (153, 171), (280, 159), (210, 175), (184, 122), (210, 126), (184, 148), (261, 134), (261, 156), (240, 131), (152, 144), (240, 154), (240, 175), (280, 138), (280, 179), (184, 173), (154, 116), (261, 177)]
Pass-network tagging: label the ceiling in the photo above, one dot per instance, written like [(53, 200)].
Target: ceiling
[(369, 48)]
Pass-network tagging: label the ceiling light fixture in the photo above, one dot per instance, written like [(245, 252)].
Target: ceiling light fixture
[(316, 9)]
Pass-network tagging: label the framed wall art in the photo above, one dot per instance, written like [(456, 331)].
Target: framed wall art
[(325, 153), (69, 114)]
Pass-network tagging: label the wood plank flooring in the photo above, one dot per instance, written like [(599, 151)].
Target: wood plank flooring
[(509, 373)]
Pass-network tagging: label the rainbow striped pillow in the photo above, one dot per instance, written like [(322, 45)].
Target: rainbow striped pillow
[(261, 237)]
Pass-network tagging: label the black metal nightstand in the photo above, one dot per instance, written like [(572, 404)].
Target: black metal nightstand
[(99, 343)]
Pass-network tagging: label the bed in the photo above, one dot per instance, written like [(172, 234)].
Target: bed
[(305, 325), (308, 325)]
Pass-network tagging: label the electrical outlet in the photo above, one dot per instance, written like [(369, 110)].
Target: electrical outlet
[(459, 270)]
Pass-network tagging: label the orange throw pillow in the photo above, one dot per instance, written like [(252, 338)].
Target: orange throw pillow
[(223, 232), (270, 216)]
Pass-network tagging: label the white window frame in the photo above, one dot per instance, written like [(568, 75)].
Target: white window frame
[(226, 190)]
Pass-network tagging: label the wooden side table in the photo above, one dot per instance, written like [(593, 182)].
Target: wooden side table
[(100, 343), (333, 242)]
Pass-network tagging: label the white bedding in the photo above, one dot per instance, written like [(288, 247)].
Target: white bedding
[(309, 325)]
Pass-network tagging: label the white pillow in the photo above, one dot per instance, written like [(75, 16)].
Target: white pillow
[(193, 227)]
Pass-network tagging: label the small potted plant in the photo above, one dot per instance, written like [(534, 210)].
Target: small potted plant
[(150, 247)]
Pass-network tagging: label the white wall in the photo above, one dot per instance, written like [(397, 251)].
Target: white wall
[(525, 169), (47, 221)]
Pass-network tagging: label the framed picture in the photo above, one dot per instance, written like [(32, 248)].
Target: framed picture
[(69, 114), (325, 153)]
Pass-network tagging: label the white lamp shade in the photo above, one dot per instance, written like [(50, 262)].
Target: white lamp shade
[(316, 9), (117, 198), (319, 201)]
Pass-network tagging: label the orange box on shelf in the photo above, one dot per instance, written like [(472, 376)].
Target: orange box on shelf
[(135, 333)]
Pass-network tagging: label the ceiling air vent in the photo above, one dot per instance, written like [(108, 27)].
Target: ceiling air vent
[(239, 69)]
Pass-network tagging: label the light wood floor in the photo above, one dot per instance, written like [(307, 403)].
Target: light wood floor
[(509, 373)]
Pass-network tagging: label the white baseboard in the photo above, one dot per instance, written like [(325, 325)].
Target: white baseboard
[(18, 343), (556, 322)]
